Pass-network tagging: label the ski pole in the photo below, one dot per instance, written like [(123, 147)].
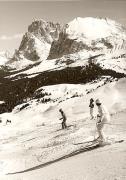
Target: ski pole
[(95, 131)]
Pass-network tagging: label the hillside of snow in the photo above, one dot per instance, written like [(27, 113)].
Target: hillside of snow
[(107, 162), (72, 60), (35, 137)]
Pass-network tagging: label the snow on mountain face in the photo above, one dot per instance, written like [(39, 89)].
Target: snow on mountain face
[(97, 32), (4, 58), (89, 34), (93, 28)]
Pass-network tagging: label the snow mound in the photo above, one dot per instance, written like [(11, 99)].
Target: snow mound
[(113, 95), (2, 102), (62, 92)]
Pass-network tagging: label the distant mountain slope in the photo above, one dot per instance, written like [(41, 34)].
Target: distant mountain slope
[(48, 40)]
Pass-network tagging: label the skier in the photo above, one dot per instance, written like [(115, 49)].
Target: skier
[(103, 117), (64, 126), (8, 121), (91, 105)]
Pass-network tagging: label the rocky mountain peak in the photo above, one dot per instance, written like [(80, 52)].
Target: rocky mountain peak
[(36, 43), (43, 29)]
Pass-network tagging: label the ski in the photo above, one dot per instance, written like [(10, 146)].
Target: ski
[(85, 142), (96, 142)]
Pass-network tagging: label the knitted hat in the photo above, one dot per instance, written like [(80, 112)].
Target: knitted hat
[(98, 101)]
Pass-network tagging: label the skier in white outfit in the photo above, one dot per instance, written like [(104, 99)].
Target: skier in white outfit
[(103, 117)]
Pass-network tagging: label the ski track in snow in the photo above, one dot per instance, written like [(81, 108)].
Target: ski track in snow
[(58, 140)]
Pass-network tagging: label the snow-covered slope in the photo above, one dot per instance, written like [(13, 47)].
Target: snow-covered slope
[(62, 92), (34, 136), (65, 94), (72, 60), (109, 60), (114, 61)]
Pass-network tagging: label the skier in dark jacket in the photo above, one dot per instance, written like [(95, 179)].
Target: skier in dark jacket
[(91, 106), (63, 118)]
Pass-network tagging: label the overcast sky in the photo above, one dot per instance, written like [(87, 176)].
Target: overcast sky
[(15, 16)]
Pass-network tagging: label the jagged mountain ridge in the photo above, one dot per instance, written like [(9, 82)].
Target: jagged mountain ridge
[(36, 43), (46, 40)]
